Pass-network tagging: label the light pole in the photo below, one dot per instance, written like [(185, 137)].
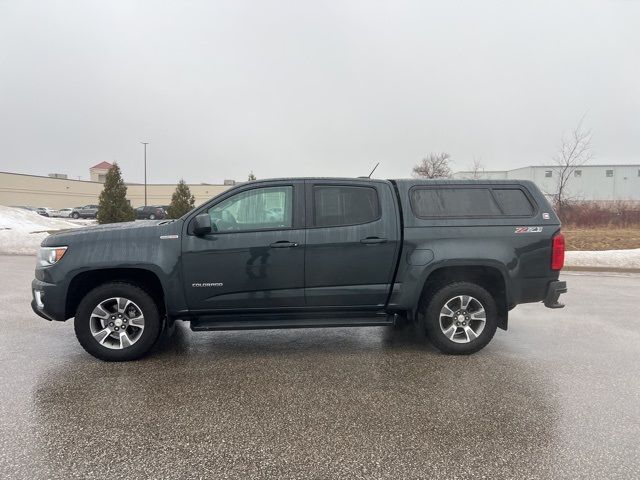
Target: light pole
[(145, 172)]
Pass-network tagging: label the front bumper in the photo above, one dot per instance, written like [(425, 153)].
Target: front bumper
[(47, 300), (38, 310), (554, 290)]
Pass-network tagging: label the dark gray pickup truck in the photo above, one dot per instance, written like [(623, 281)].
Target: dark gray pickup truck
[(452, 256)]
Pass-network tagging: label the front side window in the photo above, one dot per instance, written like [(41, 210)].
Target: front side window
[(336, 205), (257, 209)]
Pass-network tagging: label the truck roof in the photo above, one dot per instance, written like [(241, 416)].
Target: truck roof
[(340, 179), (407, 183), (412, 181), (446, 181)]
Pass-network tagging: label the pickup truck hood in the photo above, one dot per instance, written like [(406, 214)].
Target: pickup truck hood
[(114, 231)]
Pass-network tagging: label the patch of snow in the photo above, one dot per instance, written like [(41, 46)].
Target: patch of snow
[(22, 231), (604, 258)]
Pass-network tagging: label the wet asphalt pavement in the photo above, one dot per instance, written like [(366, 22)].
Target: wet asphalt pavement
[(557, 396)]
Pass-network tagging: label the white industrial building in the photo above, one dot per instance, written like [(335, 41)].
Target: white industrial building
[(588, 182)]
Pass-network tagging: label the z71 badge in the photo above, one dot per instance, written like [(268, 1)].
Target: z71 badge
[(528, 229)]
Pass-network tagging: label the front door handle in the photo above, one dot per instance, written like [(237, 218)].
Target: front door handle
[(372, 240), (283, 244)]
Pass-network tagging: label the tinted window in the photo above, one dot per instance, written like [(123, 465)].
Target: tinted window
[(513, 201), (453, 202), (343, 205), (257, 209)]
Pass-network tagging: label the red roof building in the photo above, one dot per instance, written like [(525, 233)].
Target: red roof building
[(98, 173), (102, 166)]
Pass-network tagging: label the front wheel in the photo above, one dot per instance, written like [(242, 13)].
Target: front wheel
[(152, 217), (461, 318), (75, 215), (117, 322)]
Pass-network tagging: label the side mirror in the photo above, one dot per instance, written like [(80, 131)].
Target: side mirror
[(202, 224)]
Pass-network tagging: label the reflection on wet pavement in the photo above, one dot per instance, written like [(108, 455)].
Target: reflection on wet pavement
[(556, 396)]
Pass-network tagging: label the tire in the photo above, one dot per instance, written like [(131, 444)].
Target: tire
[(100, 339), (444, 312), (75, 215), (152, 217)]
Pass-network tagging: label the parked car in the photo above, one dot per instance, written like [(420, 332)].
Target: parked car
[(64, 212), (453, 256), (152, 213), (45, 211), (88, 211)]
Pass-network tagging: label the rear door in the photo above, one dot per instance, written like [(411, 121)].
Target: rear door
[(352, 239)]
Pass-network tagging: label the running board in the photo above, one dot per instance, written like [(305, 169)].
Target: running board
[(253, 322)]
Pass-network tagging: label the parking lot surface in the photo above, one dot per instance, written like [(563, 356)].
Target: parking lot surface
[(557, 396)]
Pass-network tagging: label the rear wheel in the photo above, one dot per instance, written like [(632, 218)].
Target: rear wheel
[(75, 215), (117, 322), (152, 217), (460, 318)]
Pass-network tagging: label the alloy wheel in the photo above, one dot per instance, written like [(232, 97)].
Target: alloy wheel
[(462, 319), (117, 323)]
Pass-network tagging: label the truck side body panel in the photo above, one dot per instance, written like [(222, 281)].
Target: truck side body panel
[(519, 248)]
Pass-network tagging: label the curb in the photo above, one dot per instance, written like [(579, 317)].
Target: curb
[(579, 268)]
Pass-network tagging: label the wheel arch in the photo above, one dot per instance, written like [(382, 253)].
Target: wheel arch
[(84, 282), (489, 276)]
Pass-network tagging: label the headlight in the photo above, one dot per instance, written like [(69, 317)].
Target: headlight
[(50, 255)]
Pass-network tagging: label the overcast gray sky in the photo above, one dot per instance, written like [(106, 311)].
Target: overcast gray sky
[(311, 87)]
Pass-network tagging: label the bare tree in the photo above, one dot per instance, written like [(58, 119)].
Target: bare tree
[(477, 168), (434, 165), (574, 151)]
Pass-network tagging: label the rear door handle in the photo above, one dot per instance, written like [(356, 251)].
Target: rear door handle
[(283, 244), (372, 240)]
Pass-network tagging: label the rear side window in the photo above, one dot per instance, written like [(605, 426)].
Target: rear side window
[(453, 202), (513, 201), (336, 205)]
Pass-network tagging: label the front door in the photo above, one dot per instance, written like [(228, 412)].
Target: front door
[(254, 258)]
